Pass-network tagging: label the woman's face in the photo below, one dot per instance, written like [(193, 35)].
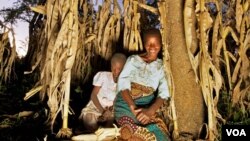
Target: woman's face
[(152, 44)]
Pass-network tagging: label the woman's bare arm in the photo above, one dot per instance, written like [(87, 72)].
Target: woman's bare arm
[(146, 114), (126, 97), (155, 106)]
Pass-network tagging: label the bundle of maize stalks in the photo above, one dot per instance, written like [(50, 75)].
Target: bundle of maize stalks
[(107, 28), (61, 32), (82, 66), (7, 53), (207, 59), (131, 36)]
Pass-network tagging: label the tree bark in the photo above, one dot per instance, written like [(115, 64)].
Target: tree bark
[(188, 96)]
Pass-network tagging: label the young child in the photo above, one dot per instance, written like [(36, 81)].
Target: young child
[(135, 105), (100, 107)]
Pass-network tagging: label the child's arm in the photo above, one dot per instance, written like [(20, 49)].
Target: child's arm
[(95, 99)]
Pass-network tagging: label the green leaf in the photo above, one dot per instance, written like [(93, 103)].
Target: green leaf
[(78, 89)]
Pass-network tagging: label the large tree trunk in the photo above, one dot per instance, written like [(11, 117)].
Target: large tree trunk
[(188, 97)]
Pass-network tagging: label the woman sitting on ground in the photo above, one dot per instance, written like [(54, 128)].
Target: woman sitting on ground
[(136, 104)]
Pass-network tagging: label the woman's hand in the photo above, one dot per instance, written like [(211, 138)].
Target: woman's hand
[(134, 110), (145, 116)]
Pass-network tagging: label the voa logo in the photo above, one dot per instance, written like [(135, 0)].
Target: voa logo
[(236, 132)]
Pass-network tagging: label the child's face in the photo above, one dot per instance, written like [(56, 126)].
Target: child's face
[(116, 69), (152, 44)]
